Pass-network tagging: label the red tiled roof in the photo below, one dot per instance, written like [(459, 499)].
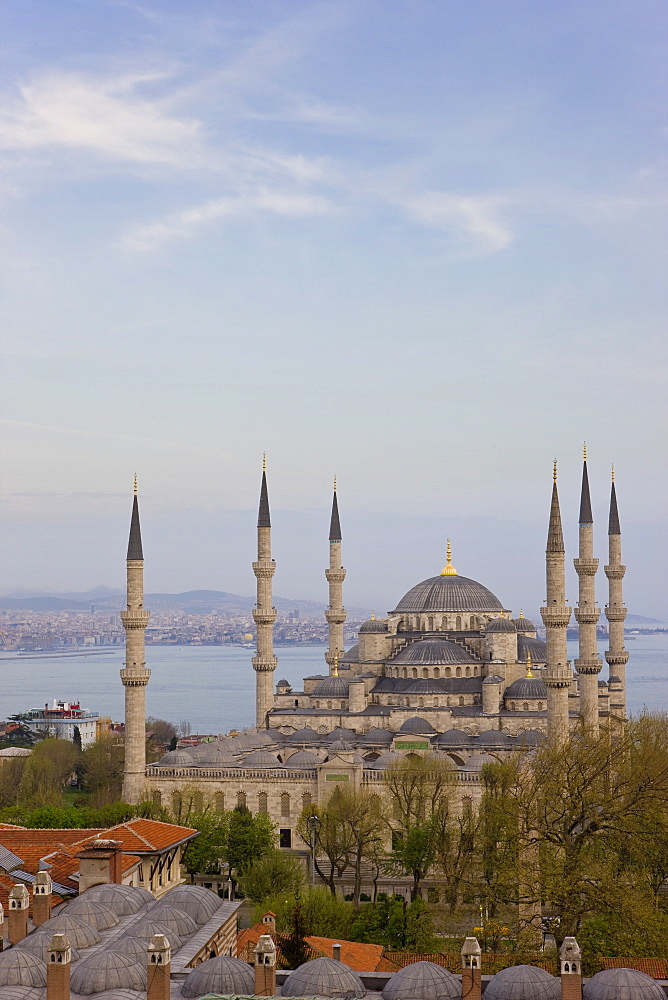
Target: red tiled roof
[(7, 883), (11, 826), (657, 968), (32, 845), (143, 835), (360, 957)]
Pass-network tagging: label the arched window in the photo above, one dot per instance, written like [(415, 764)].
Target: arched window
[(444, 621), (156, 798), (405, 672), (262, 802), (296, 702), (540, 706), (425, 672), (458, 671), (513, 706), (435, 702), (448, 672), (414, 672), (448, 702), (420, 702), (317, 704), (198, 802), (475, 671), (285, 804), (329, 704), (525, 706), (458, 623), (437, 671), (219, 801), (176, 804), (468, 671), (461, 699), (241, 800), (430, 623), (306, 800), (472, 622)]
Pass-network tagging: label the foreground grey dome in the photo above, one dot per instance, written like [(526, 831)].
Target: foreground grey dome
[(121, 995), (323, 977), (122, 899), (373, 625), (107, 970), (24, 993), (79, 933), (198, 902), (92, 911), (149, 926), (303, 758), (332, 687), (448, 593), (38, 944), (436, 651), (219, 975), (261, 758), (380, 737), (523, 982), (217, 756), (622, 984), (21, 968), (527, 687), (176, 758), (174, 917), (500, 625), (385, 760), (423, 981), (524, 625)]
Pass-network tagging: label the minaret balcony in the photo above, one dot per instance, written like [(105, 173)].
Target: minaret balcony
[(264, 570), (587, 616), (586, 567), (615, 614), (557, 677), (135, 676), (588, 665), (263, 616), (335, 575), (264, 663), (557, 616), (617, 659), (135, 619), (615, 572), (335, 616)]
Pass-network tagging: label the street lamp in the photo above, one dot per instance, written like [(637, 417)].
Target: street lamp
[(313, 825)]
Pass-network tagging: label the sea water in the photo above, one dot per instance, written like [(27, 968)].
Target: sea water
[(213, 687)]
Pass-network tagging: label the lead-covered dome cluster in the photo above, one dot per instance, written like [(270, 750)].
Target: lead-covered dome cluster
[(449, 593)]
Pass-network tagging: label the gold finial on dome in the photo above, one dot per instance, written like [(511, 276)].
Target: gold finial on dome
[(521, 613), (335, 665), (264, 461), (554, 471), (529, 664), (373, 615), (135, 486), (449, 569), (612, 473), (335, 484), (584, 451)]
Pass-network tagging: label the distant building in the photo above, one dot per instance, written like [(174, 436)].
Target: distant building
[(61, 720)]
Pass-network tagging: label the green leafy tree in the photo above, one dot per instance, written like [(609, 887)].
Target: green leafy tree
[(101, 771), (47, 771), (276, 872), (413, 854), (294, 947), (203, 854), (334, 839), (11, 775), (323, 915), (419, 934), (248, 839)]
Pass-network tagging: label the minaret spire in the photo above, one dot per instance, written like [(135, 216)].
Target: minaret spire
[(134, 674), (556, 616), (615, 611), (264, 614), (588, 663), (335, 575)]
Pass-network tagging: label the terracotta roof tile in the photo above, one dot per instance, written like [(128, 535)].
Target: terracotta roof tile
[(360, 957), (657, 968), (143, 835)]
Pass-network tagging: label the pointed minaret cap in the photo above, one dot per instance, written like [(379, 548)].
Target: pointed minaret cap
[(335, 524), (586, 516), (613, 522), (134, 545), (263, 518), (555, 535)]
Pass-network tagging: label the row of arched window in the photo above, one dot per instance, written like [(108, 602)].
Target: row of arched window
[(440, 623), (182, 804), (433, 672)]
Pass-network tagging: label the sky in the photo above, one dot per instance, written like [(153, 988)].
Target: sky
[(418, 244)]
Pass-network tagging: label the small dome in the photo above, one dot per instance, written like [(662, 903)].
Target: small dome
[(332, 687), (198, 902), (530, 737), (453, 738), (380, 737), (306, 735), (323, 977), (433, 651), (385, 759), (261, 758), (614, 680), (24, 993), (527, 687), (121, 995), (122, 899), (176, 758), (92, 912), (219, 975), (493, 738), (148, 926), (622, 984), (217, 757), (166, 912), (38, 944), (373, 625), (417, 727), (524, 625), (21, 968), (283, 683), (340, 745), (422, 981), (106, 970), (523, 982), (342, 734), (448, 593), (478, 761), (303, 758), (500, 625), (136, 947), (80, 933), (352, 655), (493, 679)]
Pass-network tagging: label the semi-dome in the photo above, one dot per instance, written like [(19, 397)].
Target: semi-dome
[(176, 758), (433, 651), (195, 900), (448, 593), (530, 737), (21, 968), (417, 727), (527, 687), (303, 758), (106, 970), (422, 981), (523, 982), (340, 733), (537, 648), (352, 655), (323, 977), (622, 984), (500, 625), (79, 933), (223, 974), (373, 625), (122, 899), (332, 687), (94, 912), (261, 758)]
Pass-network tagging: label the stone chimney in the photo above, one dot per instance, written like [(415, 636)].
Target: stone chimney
[(58, 962), (336, 952), (99, 863), (19, 901), (265, 967), (471, 969), (159, 964), (269, 922), (41, 898), (570, 959)]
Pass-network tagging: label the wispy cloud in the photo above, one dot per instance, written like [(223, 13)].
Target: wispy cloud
[(475, 218), (107, 116)]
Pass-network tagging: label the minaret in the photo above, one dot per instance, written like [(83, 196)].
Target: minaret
[(264, 614), (336, 574), (588, 663), (134, 674), (556, 616), (615, 611)]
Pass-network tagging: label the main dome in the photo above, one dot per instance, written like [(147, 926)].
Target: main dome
[(448, 593)]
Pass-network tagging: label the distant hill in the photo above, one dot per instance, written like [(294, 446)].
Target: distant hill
[(41, 604)]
